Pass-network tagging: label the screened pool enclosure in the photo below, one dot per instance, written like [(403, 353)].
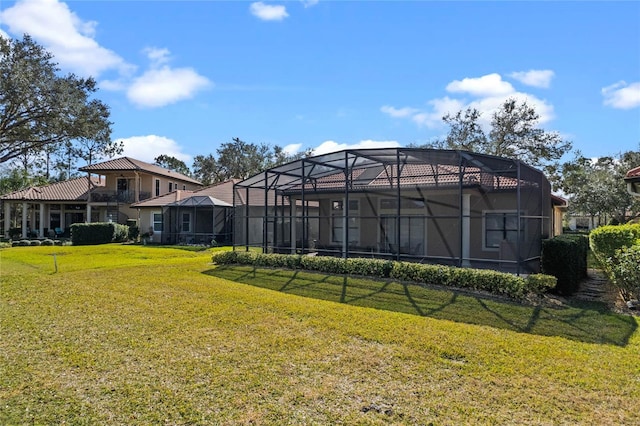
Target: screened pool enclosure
[(422, 205)]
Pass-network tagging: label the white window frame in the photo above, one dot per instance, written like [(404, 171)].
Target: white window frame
[(182, 222), (154, 222), (170, 186)]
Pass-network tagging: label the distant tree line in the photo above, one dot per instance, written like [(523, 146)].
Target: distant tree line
[(234, 160)]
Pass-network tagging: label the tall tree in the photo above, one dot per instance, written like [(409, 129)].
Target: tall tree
[(172, 163), (514, 133), (206, 169), (239, 160), (465, 132), (39, 108), (596, 187)]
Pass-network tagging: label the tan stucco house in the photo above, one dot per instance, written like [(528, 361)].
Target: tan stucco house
[(105, 194)]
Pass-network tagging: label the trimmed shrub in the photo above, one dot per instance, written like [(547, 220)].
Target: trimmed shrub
[(225, 258), (98, 233), (47, 242), (540, 283), (565, 257), (605, 240), (487, 280), (36, 242), (368, 267), (625, 271)]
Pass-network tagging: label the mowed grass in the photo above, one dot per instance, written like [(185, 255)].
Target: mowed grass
[(144, 335)]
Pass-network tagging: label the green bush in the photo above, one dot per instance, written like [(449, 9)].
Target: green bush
[(225, 258), (98, 233), (368, 267), (487, 280), (604, 241), (565, 257), (134, 233), (540, 283), (47, 242), (625, 271)]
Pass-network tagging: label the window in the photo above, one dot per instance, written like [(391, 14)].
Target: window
[(157, 222), (157, 187), (337, 221), (184, 187), (186, 222), (500, 226), (170, 186), (412, 235)]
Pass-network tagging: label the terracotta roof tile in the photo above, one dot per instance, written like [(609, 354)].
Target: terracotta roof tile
[(131, 164), (69, 190), (633, 173)]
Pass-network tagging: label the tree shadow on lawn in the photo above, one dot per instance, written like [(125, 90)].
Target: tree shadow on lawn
[(589, 322)]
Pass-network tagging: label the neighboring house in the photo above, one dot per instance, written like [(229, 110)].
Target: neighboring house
[(632, 178), (42, 211), (189, 217), (45, 211), (426, 205)]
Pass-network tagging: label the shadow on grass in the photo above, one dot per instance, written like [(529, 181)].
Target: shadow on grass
[(588, 322)]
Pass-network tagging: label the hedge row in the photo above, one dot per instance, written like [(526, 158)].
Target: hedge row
[(477, 279), (617, 248), (565, 257), (606, 240), (25, 243), (98, 233)]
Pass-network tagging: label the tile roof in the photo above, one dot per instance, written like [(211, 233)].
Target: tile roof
[(633, 173), (131, 164), (163, 200), (423, 175), (69, 190)]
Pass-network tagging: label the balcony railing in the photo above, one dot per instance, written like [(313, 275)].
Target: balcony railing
[(127, 197)]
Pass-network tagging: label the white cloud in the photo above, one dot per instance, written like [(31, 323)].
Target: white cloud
[(292, 148), (535, 78), (146, 148), (3, 34), (268, 12), (157, 56), (332, 146), (69, 38), (488, 94), (399, 112), (487, 85), (164, 86), (622, 95), (309, 3)]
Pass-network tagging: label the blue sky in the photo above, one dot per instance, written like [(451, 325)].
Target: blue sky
[(182, 77)]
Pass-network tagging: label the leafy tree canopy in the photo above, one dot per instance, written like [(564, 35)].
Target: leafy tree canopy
[(43, 113), (239, 160), (172, 163), (596, 187), (514, 133)]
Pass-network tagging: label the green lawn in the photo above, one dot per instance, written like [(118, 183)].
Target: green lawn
[(146, 335)]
